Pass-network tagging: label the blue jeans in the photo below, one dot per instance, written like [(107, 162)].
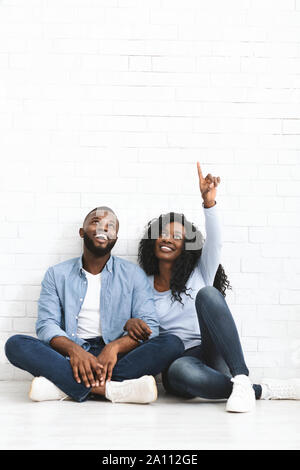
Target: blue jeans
[(39, 359), (205, 371)]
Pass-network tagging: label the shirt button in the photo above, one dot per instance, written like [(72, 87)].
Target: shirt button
[(81, 300), (73, 334)]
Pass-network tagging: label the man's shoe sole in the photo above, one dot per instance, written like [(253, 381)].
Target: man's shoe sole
[(155, 388), (231, 410), (30, 391)]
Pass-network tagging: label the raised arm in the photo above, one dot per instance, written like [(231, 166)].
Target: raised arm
[(211, 251), (208, 187)]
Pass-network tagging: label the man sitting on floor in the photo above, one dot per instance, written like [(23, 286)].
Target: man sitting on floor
[(81, 347)]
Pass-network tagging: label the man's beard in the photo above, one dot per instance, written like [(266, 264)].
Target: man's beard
[(98, 251)]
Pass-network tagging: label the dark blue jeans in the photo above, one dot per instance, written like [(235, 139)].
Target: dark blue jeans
[(205, 371), (39, 359)]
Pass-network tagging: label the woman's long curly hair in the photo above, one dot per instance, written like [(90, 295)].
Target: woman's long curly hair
[(185, 263)]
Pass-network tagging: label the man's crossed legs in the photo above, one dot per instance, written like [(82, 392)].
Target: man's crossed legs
[(148, 359)]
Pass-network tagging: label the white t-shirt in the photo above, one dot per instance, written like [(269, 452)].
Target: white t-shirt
[(89, 317)]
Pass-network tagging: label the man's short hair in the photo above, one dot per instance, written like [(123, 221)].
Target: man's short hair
[(103, 208)]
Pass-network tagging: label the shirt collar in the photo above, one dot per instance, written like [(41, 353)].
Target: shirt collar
[(108, 266)]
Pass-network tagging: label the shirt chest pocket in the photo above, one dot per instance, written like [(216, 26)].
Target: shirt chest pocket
[(119, 309)]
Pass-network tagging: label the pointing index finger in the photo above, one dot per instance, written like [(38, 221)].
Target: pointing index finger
[(199, 171)]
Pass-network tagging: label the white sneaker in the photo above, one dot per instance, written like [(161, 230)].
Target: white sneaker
[(42, 389), (274, 389), (142, 390), (242, 398)]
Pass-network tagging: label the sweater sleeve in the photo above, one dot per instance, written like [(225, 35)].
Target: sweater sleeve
[(211, 252)]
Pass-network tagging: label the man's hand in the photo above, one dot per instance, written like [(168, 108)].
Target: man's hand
[(208, 186), (86, 367), (137, 329), (108, 358)]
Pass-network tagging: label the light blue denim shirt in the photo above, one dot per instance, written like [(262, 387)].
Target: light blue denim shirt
[(125, 293)]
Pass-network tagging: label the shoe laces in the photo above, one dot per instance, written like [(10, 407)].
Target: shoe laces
[(281, 390), (120, 392)]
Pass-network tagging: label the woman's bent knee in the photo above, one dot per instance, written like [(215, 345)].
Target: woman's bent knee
[(210, 301), (207, 292)]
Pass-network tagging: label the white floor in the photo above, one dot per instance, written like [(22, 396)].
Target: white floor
[(166, 424)]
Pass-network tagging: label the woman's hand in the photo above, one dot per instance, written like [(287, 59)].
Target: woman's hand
[(208, 187), (137, 329)]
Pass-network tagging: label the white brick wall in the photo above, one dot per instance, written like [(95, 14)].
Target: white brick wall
[(112, 102)]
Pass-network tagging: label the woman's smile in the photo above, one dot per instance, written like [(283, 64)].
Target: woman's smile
[(166, 249)]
